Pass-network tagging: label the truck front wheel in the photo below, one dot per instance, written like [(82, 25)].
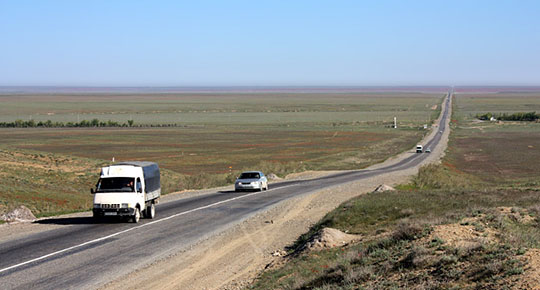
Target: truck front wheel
[(97, 218), (150, 211), (136, 215)]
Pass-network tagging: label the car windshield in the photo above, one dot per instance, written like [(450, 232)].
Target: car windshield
[(115, 184), (249, 175)]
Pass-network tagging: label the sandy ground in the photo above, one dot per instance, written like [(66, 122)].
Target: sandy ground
[(234, 258)]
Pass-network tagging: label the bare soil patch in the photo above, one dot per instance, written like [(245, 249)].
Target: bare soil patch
[(531, 276), (463, 235)]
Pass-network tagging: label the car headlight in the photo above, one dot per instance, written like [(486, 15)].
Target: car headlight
[(97, 205), (125, 205)]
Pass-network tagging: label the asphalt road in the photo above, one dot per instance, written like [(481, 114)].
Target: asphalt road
[(85, 255)]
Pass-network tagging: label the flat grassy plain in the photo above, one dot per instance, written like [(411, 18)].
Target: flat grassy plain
[(468, 105), (471, 222), (214, 137), (222, 108), (497, 152)]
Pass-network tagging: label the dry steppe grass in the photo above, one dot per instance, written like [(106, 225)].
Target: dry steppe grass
[(470, 222), (215, 137)]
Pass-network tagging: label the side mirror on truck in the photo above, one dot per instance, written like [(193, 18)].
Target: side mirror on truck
[(92, 190)]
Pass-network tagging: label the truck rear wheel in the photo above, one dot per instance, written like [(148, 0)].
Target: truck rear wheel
[(150, 211), (136, 216)]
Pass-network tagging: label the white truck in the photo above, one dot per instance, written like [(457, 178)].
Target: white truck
[(127, 189), (419, 149)]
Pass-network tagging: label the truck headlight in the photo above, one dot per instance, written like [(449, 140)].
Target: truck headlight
[(97, 205), (125, 205)]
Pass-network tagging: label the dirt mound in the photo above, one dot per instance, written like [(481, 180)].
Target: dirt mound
[(383, 188), (531, 276), (462, 236), (20, 214), (330, 238)]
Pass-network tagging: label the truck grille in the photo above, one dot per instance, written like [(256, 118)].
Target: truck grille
[(111, 206)]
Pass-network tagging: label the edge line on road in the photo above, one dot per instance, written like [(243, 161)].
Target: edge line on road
[(131, 229)]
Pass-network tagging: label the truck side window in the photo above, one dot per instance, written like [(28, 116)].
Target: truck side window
[(138, 185)]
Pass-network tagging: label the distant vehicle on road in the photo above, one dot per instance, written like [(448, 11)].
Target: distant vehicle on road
[(428, 150), (419, 148), (251, 180), (127, 189)]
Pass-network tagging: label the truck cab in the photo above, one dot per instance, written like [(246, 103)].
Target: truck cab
[(419, 149), (128, 190)]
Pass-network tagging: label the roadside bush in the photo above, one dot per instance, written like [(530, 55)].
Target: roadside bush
[(407, 230), (438, 176), (520, 116)]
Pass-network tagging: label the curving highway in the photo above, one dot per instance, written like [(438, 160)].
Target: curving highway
[(85, 255)]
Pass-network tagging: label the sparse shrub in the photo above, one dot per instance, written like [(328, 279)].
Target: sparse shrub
[(470, 249), (514, 271), (380, 244), (521, 251), (357, 275), (408, 231), (416, 257), (447, 259), (407, 212), (379, 253), (436, 242), (488, 270)]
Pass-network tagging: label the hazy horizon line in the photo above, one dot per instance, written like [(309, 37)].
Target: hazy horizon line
[(263, 89)]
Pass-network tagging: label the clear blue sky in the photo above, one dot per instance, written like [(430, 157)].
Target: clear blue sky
[(205, 43)]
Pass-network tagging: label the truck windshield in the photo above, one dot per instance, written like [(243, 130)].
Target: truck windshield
[(115, 184)]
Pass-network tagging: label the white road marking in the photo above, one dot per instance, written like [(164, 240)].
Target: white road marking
[(131, 229)]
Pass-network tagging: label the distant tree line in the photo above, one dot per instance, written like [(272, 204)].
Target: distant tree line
[(51, 124), (82, 124), (530, 117)]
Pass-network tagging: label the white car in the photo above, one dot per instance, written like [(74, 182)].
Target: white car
[(251, 180)]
